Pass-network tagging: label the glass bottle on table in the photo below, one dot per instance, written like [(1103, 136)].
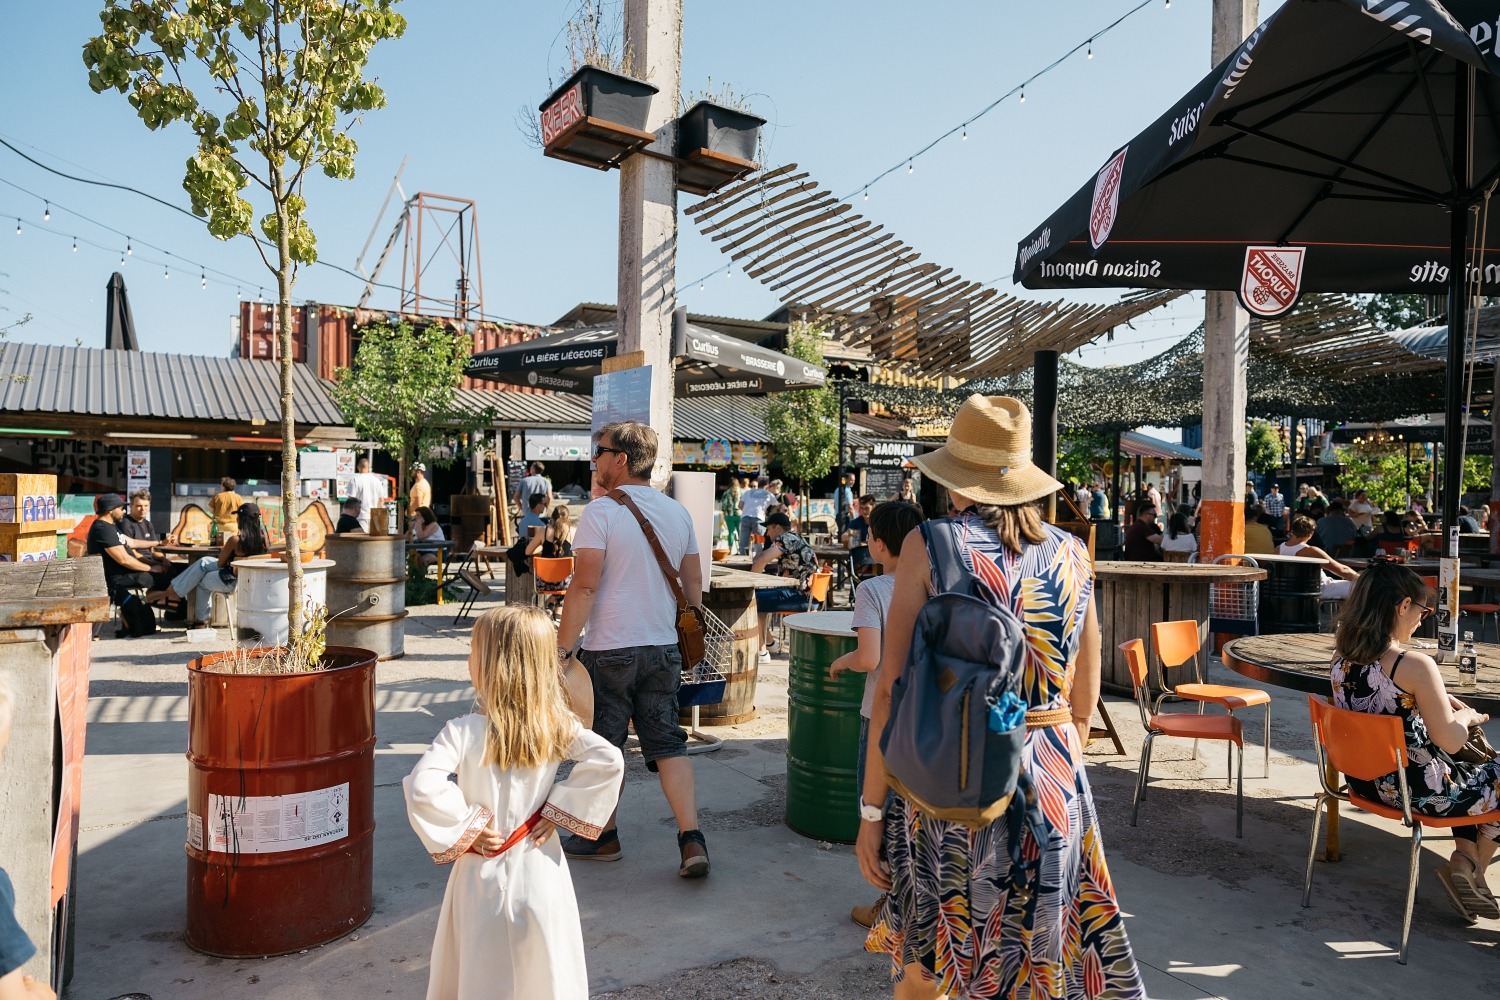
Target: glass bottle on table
[(1468, 663)]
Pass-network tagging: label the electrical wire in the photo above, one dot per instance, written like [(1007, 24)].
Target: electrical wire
[(963, 126)]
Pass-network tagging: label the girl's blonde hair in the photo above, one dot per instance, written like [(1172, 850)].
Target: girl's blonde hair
[(519, 688)]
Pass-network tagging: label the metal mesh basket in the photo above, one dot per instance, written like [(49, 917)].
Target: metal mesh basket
[(1234, 607), (704, 683)]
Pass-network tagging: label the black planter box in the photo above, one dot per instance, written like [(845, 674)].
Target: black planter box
[(596, 118), (716, 145)]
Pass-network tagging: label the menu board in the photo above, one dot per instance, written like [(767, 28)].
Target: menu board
[(137, 471), (883, 484)]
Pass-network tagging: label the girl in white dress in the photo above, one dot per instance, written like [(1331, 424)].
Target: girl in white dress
[(509, 926)]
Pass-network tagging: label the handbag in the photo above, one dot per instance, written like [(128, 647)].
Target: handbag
[(692, 630), (1476, 750)]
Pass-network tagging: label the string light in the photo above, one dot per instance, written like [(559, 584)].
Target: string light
[(203, 280), (1023, 95), (966, 135), (1091, 48), (260, 295), (165, 274), (1168, 5), (129, 248), (909, 167), (46, 211), (75, 244), (867, 194)]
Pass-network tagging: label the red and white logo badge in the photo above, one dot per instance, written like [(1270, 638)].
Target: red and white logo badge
[(1106, 199), (1272, 279)]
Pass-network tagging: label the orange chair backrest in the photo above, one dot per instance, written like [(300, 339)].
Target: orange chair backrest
[(1175, 642), (1358, 744), (1430, 582), (1134, 651), (552, 570), (817, 587)]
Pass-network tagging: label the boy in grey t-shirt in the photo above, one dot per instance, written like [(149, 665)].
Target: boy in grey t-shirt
[(890, 523)]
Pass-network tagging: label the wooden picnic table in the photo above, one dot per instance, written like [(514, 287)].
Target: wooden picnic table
[(1130, 596), (1301, 662)]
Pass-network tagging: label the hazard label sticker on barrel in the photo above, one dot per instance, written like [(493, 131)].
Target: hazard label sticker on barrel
[(195, 831), (266, 824)]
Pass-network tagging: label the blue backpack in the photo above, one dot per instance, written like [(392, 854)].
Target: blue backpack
[(957, 727)]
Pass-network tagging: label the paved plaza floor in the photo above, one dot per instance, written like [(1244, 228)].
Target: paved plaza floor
[(1209, 915)]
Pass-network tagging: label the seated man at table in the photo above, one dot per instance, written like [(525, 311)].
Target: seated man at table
[(796, 559), (1298, 544), (139, 534), (1334, 529), (1466, 521), (1258, 538), (122, 570), (349, 516), (1143, 536), (856, 537)]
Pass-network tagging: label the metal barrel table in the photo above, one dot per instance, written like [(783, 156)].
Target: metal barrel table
[(822, 756), (1289, 598)]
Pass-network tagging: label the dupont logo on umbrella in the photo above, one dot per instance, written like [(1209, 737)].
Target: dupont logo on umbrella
[(1272, 279), (1106, 199)]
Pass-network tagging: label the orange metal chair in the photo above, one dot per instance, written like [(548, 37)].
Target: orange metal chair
[(1364, 746), (817, 589), (552, 576), (1177, 642), (1183, 726)]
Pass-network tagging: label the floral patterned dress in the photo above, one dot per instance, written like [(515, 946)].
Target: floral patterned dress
[(951, 906), (1439, 785)]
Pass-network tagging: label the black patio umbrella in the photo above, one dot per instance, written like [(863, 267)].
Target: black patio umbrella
[(1347, 145), (119, 325), (708, 363)]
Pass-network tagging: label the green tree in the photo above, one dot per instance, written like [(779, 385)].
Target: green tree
[(402, 388), (1392, 311), (804, 423), (1262, 447), (285, 82), (1081, 455)]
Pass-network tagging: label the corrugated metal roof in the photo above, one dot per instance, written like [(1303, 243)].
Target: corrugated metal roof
[(91, 381), (1135, 443), (520, 410)]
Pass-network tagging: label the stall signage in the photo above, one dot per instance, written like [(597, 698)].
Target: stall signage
[(891, 454), (569, 446), (102, 463), (723, 387), (562, 114)]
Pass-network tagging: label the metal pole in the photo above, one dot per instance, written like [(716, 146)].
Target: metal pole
[(1114, 501), (1044, 422), (1291, 495), (1458, 295)]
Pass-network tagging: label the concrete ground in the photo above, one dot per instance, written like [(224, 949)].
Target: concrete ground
[(1209, 915)]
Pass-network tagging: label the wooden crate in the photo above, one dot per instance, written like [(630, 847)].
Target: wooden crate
[(27, 497), (32, 541)]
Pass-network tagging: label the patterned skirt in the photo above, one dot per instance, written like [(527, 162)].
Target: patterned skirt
[(951, 906)]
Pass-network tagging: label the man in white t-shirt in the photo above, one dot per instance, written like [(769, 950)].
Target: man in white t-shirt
[(1362, 511), (368, 489), (630, 646), (753, 504)]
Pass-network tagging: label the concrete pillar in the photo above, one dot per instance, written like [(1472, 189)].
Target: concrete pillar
[(1226, 351), (648, 213)]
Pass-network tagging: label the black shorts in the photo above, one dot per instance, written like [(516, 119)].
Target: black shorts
[(638, 683)]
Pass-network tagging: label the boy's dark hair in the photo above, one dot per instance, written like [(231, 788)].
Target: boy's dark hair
[(867, 498), (892, 520)]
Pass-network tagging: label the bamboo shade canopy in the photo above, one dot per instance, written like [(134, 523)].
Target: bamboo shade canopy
[(870, 289)]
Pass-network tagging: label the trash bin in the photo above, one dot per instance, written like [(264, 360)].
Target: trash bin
[(822, 798)]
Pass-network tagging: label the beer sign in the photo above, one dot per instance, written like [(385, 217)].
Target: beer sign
[(562, 114)]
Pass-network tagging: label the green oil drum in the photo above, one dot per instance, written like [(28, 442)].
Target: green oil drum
[(822, 800)]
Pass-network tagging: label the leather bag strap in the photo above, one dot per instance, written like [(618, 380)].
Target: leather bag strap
[(622, 498)]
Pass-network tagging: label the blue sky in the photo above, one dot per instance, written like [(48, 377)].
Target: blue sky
[(850, 89)]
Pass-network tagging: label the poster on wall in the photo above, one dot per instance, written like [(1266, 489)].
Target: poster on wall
[(749, 456), (717, 453), (687, 452), (622, 395), (137, 471)]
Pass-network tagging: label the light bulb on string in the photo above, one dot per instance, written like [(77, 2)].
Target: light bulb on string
[(701, 286), (1023, 95), (75, 244), (965, 136), (1091, 48), (165, 274), (203, 280), (260, 295), (129, 248), (46, 211), (909, 167), (867, 194), (1169, 5)]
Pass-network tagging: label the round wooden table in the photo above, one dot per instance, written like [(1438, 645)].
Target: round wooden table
[(1130, 596), (1301, 662)]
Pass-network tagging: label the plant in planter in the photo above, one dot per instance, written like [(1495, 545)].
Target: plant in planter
[(281, 795), (718, 138), (281, 788), (598, 116)]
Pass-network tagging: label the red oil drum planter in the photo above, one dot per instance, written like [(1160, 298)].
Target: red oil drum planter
[(281, 806)]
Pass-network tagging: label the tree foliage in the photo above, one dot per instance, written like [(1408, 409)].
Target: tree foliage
[(803, 424), (1262, 447), (1081, 456), (1391, 311), (402, 388), (282, 83)]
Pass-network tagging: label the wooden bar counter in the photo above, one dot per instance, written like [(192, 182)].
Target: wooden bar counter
[(1130, 596)]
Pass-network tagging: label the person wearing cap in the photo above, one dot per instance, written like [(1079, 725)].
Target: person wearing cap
[(122, 570), (421, 490), (1069, 930), (796, 560)]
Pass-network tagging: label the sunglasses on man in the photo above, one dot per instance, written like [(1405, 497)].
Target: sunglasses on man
[(600, 449)]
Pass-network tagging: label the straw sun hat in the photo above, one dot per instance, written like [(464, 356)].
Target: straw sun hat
[(988, 454)]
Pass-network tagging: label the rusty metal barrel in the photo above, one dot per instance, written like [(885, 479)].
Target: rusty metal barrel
[(281, 804), (367, 591)]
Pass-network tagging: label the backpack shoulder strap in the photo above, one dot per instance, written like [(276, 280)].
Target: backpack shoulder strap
[(948, 569), (622, 498)]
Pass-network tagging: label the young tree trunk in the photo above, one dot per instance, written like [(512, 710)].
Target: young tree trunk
[(289, 485)]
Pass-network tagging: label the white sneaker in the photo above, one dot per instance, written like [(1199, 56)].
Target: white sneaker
[(764, 657)]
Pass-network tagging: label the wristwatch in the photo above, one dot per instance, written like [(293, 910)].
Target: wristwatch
[(564, 653), (869, 813)]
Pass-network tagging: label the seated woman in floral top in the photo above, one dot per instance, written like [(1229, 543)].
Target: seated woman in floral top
[(1373, 672)]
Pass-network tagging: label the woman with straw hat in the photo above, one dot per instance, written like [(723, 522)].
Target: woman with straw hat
[(950, 921)]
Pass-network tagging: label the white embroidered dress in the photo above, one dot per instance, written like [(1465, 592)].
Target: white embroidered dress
[(508, 927)]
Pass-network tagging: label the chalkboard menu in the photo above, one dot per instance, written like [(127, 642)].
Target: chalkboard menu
[(883, 484)]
